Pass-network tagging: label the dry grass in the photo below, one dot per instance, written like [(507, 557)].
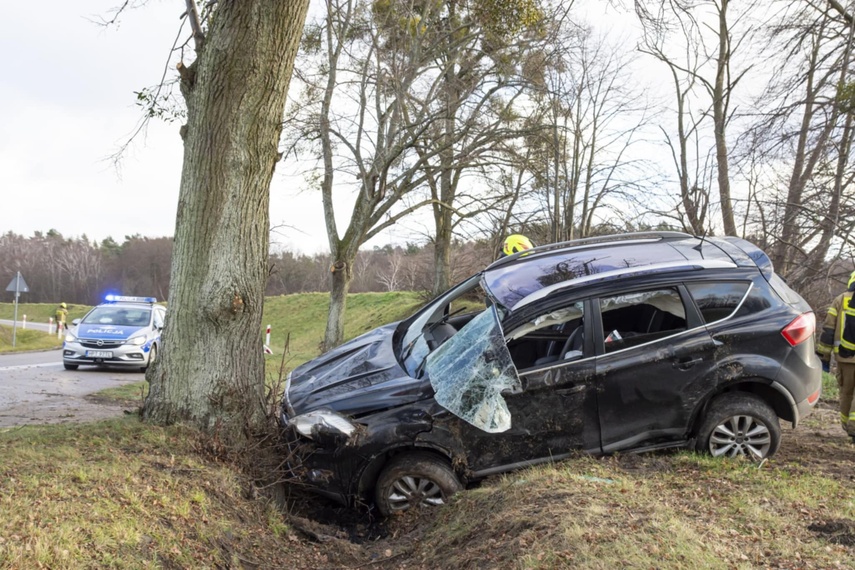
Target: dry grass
[(121, 494)]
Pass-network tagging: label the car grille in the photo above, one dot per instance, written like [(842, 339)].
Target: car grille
[(92, 343)]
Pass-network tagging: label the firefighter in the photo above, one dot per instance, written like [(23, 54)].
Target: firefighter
[(838, 336), (514, 244), (61, 317)]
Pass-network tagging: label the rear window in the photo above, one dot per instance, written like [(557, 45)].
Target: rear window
[(783, 290), (717, 300)]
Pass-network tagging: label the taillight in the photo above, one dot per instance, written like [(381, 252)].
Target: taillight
[(813, 397), (801, 329)]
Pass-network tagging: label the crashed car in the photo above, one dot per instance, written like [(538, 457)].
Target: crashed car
[(633, 342)]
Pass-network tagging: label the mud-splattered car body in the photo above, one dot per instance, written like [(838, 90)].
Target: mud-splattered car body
[(632, 342)]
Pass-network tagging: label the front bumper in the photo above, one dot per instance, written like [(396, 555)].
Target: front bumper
[(123, 355), (325, 472)]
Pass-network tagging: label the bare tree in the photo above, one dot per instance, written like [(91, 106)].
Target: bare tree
[(701, 67), (805, 122), (590, 113)]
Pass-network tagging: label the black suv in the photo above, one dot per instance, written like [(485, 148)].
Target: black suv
[(629, 342)]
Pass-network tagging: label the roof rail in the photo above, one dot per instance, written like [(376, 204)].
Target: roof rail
[(665, 235)]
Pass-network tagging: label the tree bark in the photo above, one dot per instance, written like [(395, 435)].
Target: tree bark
[(720, 121), (210, 371), (341, 277)]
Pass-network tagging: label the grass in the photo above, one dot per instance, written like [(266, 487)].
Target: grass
[(26, 340), (304, 317), (121, 494), (677, 511), (40, 312), (830, 389)]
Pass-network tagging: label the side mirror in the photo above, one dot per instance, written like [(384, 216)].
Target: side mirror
[(75, 322)]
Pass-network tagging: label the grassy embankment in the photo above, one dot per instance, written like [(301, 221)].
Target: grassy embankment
[(31, 339), (120, 494)]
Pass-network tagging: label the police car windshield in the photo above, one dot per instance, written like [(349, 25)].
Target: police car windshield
[(119, 316)]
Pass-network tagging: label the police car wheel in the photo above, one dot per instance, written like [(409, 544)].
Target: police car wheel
[(151, 358), (70, 366)]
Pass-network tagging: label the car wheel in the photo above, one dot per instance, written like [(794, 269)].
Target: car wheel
[(70, 366), (414, 479), (740, 425), (151, 358)]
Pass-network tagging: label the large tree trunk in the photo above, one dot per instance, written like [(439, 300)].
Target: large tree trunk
[(210, 370)]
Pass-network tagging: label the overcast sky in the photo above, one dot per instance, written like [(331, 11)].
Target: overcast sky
[(66, 105)]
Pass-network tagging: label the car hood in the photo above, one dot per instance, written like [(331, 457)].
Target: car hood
[(358, 377), (105, 332)]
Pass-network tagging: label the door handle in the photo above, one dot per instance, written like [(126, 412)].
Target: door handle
[(570, 390), (686, 363)]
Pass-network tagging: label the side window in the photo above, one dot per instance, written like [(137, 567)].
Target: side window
[(158, 319), (717, 301), (549, 338), (637, 318)]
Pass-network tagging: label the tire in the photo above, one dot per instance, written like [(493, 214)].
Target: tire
[(70, 366), (151, 358), (414, 479), (738, 424)]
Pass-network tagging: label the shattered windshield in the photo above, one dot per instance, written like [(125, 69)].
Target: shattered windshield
[(470, 372)]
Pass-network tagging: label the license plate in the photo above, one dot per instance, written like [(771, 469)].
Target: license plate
[(99, 354)]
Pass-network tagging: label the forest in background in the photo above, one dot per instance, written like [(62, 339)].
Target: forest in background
[(81, 271)]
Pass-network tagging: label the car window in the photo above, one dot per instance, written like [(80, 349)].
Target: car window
[(119, 316), (470, 372), (636, 318), (553, 337), (717, 300), (783, 290), (158, 319)]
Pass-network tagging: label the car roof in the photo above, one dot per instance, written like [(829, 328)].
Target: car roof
[(525, 277)]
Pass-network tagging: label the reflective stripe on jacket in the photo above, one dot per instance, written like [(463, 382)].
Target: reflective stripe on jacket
[(838, 330)]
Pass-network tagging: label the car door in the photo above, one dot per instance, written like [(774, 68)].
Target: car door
[(654, 361), (503, 418)]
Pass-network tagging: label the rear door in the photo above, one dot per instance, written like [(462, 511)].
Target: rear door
[(654, 359)]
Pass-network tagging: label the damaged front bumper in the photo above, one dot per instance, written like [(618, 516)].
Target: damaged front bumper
[(323, 469)]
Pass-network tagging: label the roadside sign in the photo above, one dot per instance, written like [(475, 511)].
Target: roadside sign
[(18, 285)]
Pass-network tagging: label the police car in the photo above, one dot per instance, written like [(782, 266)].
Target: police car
[(122, 331)]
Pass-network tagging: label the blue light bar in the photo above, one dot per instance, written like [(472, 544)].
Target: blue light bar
[(126, 299)]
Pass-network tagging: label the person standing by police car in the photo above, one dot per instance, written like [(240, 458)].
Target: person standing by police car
[(61, 317), (838, 336)]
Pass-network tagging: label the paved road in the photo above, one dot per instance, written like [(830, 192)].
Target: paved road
[(35, 389)]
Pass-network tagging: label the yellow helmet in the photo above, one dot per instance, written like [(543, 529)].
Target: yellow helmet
[(516, 243), (63, 305)]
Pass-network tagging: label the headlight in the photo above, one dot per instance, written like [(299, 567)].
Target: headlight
[(69, 337), (136, 341), (322, 422)]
